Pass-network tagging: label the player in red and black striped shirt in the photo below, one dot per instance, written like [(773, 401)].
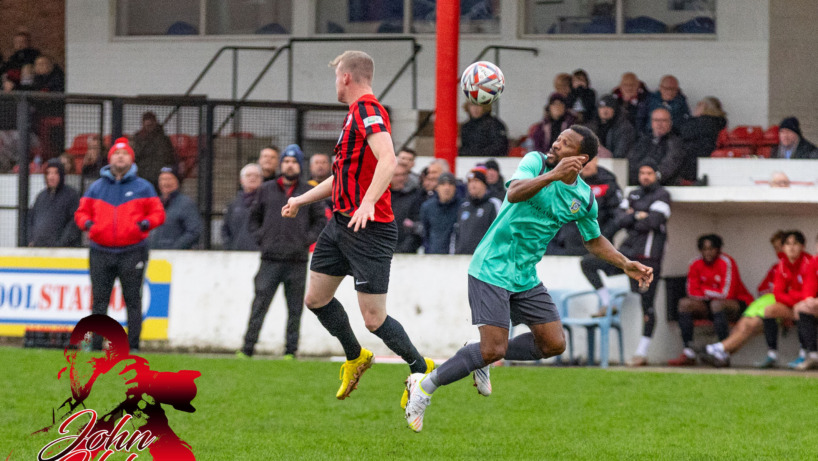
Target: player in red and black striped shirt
[(361, 237)]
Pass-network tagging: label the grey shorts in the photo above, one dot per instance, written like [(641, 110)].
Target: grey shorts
[(492, 305)]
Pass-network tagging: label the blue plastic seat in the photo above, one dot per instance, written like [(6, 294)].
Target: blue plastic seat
[(699, 25), (182, 28), (591, 324), (645, 25)]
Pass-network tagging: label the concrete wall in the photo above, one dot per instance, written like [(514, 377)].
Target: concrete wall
[(100, 63), (793, 50)]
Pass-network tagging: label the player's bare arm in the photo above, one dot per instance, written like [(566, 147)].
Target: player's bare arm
[(319, 192), (382, 149), (603, 249), (523, 189)]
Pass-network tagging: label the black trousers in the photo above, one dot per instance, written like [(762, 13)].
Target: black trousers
[(590, 267), (129, 266), (293, 274)]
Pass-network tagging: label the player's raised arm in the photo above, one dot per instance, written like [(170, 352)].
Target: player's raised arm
[(319, 192), (382, 149), (567, 169), (603, 249)]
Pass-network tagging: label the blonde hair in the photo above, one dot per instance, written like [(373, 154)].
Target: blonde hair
[(712, 106), (358, 64)]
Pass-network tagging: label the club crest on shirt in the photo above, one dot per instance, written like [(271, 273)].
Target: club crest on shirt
[(575, 206)]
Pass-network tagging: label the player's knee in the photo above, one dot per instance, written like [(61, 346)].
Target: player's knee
[(313, 302), (553, 347), (716, 306), (493, 352)]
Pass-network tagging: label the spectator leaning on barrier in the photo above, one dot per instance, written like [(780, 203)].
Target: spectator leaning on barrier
[(484, 135), (284, 244), (438, 215), (792, 143), (476, 213), (183, 225), (51, 219), (152, 148), (714, 290), (615, 132), (407, 199), (235, 229), (645, 213), (608, 196), (268, 160), (118, 211), (662, 147)]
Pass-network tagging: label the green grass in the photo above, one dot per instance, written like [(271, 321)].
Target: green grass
[(267, 409)]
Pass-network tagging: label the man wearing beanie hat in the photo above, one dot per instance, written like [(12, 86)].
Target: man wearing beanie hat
[(791, 142), (118, 211), (476, 213), (183, 225), (615, 132), (152, 149), (438, 216), (494, 180), (284, 244), (644, 216)]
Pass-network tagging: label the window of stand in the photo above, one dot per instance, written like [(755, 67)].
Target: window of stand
[(202, 17), (388, 16), (599, 17)]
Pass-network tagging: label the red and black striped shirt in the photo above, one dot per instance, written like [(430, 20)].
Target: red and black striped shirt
[(354, 164)]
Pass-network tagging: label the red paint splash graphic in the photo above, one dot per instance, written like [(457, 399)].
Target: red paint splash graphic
[(145, 392)]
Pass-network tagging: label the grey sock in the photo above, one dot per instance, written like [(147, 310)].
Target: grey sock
[(466, 360), (523, 347)]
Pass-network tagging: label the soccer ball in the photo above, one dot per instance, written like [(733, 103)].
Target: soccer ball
[(482, 83)]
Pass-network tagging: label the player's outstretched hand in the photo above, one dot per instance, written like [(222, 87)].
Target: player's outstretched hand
[(364, 213), (290, 210), (567, 168), (639, 272)]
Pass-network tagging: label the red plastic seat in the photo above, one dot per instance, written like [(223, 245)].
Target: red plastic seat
[(79, 146), (770, 137), (732, 152), (242, 134), (764, 151), (724, 139), (746, 135)]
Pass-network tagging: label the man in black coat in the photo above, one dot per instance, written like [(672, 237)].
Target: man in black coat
[(284, 244), (484, 135), (51, 219), (438, 215), (476, 213), (791, 143), (662, 147)]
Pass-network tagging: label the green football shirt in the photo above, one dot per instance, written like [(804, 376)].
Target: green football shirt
[(516, 241)]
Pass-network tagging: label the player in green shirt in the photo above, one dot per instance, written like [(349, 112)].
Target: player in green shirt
[(545, 193)]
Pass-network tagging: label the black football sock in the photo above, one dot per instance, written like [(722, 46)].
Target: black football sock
[(466, 360), (335, 320), (721, 325), (771, 333), (807, 332), (396, 339), (523, 347), (686, 326)]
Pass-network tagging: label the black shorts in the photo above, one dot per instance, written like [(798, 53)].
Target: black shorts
[(492, 305), (366, 255)]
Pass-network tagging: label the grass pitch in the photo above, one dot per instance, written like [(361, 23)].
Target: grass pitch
[(268, 409)]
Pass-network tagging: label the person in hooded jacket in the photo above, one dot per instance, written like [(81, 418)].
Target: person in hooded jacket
[(183, 224), (438, 215), (51, 219), (284, 244), (615, 132), (476, 213)]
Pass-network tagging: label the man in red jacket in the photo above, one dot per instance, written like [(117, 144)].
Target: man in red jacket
[(118, 211), (788, 290), (714, 290), (807, 310)]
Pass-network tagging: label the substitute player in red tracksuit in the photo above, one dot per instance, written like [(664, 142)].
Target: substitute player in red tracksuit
[(714, 289), (807, 311), (118, 211), (787, 290)]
